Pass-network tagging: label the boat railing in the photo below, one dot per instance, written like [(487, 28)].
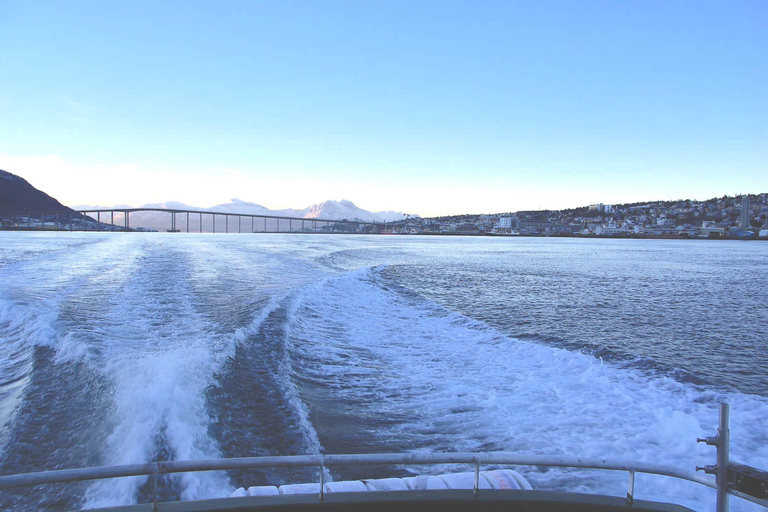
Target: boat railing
[(741, 481)]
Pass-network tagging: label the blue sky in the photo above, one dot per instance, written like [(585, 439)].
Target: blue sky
[(427, 107)]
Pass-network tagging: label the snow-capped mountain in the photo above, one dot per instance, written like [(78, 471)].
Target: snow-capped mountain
[(243, 207), (344, 209), (170, 205), (330, 210)]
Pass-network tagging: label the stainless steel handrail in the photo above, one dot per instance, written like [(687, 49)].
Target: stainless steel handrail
[(185, 466), (322, 461)]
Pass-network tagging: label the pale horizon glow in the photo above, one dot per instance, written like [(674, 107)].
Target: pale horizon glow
[(429, 108), (137, 187)]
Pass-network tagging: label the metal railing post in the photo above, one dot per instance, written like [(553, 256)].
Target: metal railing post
[(477, 477), (322, 479), (154, 492), (723, 458), (631, 487), (722, 442)]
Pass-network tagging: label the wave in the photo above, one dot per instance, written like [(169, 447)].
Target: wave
[(258, 408), (138, 348), (402, 373), (161, 355), (37, 284)]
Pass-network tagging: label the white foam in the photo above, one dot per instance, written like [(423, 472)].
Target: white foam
[(165, 355), (453, 384), (442, 381)]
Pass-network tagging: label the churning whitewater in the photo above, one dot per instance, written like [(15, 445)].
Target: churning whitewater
[(120, 349)]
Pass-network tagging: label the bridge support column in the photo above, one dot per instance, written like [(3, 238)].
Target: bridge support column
[(201, 223), (239, 223), (187, 222)]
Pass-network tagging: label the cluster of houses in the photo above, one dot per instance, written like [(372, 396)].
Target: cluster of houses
[(732, 217)]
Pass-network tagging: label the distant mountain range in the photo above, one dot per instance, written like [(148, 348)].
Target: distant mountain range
[(17, 195)]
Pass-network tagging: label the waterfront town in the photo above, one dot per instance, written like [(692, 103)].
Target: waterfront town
[(23, 207), (744, 216)]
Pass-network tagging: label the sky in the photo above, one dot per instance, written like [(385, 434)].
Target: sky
[(427, 107)]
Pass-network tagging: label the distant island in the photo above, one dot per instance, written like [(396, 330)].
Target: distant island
[(22, 206)]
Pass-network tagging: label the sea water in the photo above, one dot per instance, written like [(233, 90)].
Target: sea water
[(124, 348)]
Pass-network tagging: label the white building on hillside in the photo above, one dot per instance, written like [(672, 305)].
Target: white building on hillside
[(600, 207)]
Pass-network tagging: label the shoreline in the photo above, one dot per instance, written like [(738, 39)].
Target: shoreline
[(489, 235)]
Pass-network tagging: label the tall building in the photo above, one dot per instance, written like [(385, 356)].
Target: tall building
[(744, 212)]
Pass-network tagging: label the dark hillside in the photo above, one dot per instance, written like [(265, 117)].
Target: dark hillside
[(17, 195)]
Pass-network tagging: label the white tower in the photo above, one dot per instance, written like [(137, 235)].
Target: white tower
[(744, 212)]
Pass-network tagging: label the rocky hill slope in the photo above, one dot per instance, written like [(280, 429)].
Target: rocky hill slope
[(17, 195)]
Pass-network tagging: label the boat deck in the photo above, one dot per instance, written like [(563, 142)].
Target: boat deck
[(416, 501)]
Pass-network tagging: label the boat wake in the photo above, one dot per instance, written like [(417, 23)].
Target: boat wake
[(122, 352), (389, 371)]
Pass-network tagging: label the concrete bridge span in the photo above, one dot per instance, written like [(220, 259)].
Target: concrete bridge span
[(176, 221)]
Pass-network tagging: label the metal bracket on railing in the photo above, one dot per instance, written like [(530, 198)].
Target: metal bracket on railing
[(749, 480), (631, 487), (722, 441)]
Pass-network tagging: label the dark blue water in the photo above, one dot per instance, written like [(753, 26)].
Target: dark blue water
[(126, 348)]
